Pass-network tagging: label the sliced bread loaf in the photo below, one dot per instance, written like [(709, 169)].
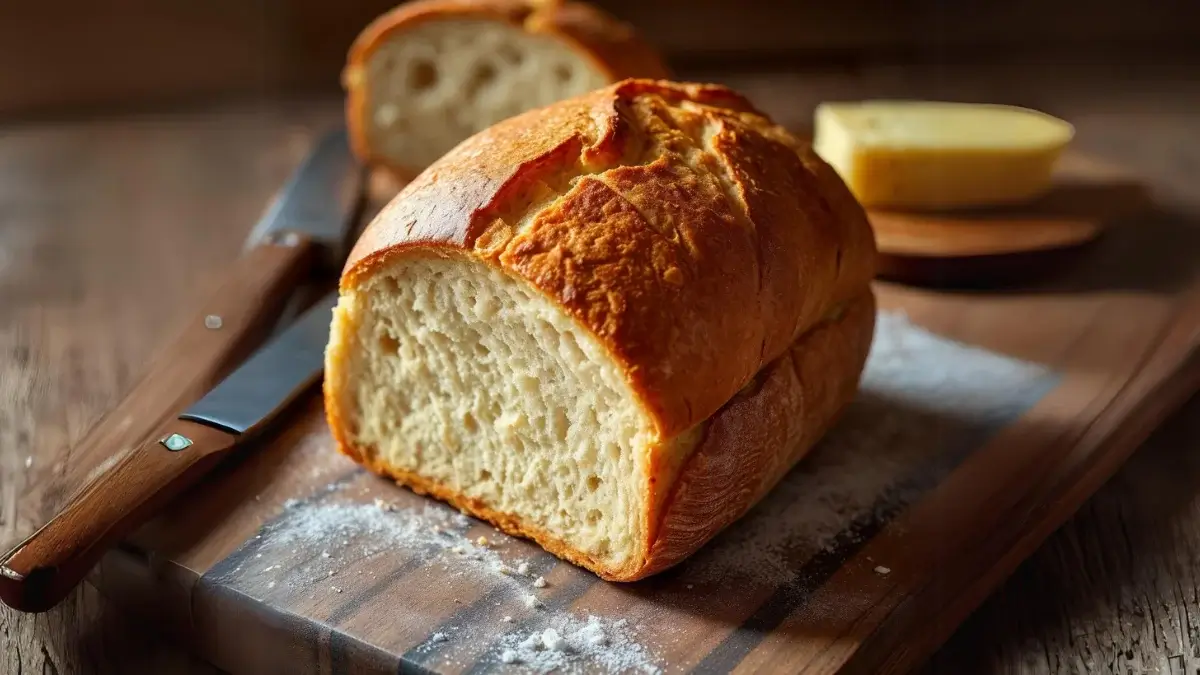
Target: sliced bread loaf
[(610, 325), (430, 73)]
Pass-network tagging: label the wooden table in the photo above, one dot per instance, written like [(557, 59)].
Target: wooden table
[(111, 226)]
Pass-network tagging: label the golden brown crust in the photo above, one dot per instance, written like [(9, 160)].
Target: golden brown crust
[(609, 44), (652, 195), (746, 448), (756, 438)]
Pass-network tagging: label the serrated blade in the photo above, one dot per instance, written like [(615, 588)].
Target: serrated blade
[(319, 201)]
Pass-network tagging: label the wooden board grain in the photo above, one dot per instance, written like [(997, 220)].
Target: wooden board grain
[(1114, 586), (284, 560)]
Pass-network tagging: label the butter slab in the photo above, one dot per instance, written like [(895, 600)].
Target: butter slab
[(939, 155)]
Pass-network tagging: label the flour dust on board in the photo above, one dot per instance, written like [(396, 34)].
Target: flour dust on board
[(457, 595)]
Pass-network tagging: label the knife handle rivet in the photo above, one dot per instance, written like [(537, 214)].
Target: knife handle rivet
[(288, 239), (212, 322), (176, 442)]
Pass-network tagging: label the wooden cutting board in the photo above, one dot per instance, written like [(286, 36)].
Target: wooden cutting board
[(985, 419)]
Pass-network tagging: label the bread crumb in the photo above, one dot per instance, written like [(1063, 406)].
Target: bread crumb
[(482, 541), (29, 461), (534, 641), (691, 586), (539, 582), (271, 585), (532, 602), (553, 640), (336, 589), (593, 634), (384, 506), (507, 619), (883, 570), (439, 637), (386, 115), (508, 656), (457, 549), (324, 554), (523, 568)]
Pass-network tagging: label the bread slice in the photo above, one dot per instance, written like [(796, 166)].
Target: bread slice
[(610, 325), (430, 73)]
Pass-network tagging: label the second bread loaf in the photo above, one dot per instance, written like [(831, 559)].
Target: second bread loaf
[(430, 73)]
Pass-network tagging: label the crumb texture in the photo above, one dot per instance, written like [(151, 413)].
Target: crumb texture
[(442, 80), (473, 380)]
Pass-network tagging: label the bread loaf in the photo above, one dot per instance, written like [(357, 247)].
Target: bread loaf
[(430, 73), (609, 325)]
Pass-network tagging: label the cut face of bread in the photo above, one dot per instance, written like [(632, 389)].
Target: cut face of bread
[(432, 85), (476, 382)]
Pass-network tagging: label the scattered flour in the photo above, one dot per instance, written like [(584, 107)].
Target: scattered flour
[(355, 531), (573, 645), (921, 395)]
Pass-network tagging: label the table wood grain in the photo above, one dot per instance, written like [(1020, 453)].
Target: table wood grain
[(91, 210)]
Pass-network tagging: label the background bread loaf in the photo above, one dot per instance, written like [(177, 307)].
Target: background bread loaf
[(430, 73), (610, 324)]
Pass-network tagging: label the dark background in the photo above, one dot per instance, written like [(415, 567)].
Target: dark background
[(72, 55)]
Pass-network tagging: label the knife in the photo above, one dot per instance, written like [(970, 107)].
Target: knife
[(39, 572), (307, 229)]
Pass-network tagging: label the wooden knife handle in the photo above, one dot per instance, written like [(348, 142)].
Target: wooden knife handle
[(223, 329), (230, 323), (39, 572)]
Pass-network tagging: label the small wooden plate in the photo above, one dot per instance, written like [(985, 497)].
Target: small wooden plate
[(982, 244), (953, 236)]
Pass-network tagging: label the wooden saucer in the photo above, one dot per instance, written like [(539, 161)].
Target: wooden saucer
[(977, 244), (953, 236)]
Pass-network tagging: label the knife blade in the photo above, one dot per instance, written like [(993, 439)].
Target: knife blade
[(307, 229), (39, 572)]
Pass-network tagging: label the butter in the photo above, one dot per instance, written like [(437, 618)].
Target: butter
[(939, 155)]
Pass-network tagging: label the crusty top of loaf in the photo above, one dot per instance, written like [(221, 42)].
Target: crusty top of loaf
[(691, 235)]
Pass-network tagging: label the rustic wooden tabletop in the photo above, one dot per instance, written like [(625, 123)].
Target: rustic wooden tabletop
[(112, 225)]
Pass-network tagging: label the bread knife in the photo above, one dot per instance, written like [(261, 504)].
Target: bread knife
[(37, 574), (305, 230)]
